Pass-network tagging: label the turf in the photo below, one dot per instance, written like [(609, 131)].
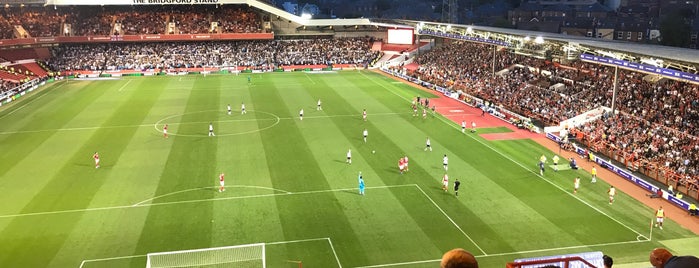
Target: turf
[(288, 183)]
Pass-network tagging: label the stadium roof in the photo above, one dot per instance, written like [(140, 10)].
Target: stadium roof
[(665, 52), (253, 3)]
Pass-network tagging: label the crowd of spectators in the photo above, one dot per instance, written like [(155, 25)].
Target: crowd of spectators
[(128, 20), (520, 84), (6, 85), (38, 22), (253, 54), (658, 121), (140, 22)]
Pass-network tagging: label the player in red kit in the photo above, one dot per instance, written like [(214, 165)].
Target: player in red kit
[(401, 165), (221, 183), (405, 163), (364, 114), (96, 156), (165, 131)]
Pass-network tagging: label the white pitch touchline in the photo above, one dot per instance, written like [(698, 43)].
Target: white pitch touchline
[(505, 254), (270, 243), (309, 78), (122, 87), (451, 220), (33, 100), (184, 123), (192, 201), (519, 164), (194, 189)]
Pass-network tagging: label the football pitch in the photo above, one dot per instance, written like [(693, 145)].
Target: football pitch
[(287, 181)]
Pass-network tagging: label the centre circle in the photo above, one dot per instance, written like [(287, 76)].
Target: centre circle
[(196, 124)]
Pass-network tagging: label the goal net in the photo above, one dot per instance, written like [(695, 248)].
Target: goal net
[(251, 255)]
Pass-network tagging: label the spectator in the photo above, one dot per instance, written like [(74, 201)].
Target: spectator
[(657, 194), (608, 261), (662, 258), (254, 54), (573, 163), (458, 258)]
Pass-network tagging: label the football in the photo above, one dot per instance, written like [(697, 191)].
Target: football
[(373, 151)]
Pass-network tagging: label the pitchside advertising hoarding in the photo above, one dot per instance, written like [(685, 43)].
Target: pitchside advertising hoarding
[(143, 2), (624, 173), (679, 75)]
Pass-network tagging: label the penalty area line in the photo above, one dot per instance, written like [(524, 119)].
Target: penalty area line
[(209, 187), (266, 243), (112, 258), (451, 220)]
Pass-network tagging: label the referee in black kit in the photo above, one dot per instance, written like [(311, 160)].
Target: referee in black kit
[(456, 187)]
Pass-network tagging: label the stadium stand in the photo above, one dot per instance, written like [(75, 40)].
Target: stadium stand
[(212, 54), (88, 21), (655, 133)]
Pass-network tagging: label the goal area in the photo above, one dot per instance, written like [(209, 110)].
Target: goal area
[(245, 256)]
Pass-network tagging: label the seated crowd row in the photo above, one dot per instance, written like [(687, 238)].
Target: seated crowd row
[(253, 54), (6, 85), (129, 20), (658, 123)]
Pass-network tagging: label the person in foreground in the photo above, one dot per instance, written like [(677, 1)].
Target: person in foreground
[(458, 258), (662, 258), (608, 261)]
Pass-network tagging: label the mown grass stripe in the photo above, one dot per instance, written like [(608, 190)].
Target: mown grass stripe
[(74, 185), (286, 151), (191, 163)]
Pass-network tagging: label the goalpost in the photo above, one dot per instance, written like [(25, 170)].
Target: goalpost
[(250, 255)]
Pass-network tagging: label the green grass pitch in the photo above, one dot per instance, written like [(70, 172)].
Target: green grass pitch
[(287, 181)]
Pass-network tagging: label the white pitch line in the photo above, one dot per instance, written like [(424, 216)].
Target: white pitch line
[(399, 263), (124, 86), (309, 78), (194, 189), (191, 201), (296, 241), (109, 259), (334, 253), (563, 248), (145, 255), (519, 164), (505, 254), (33, 100), (450, 219), (185, 123)]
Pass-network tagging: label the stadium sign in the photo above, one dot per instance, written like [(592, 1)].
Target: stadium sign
[(670, 73), (464, 37)]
